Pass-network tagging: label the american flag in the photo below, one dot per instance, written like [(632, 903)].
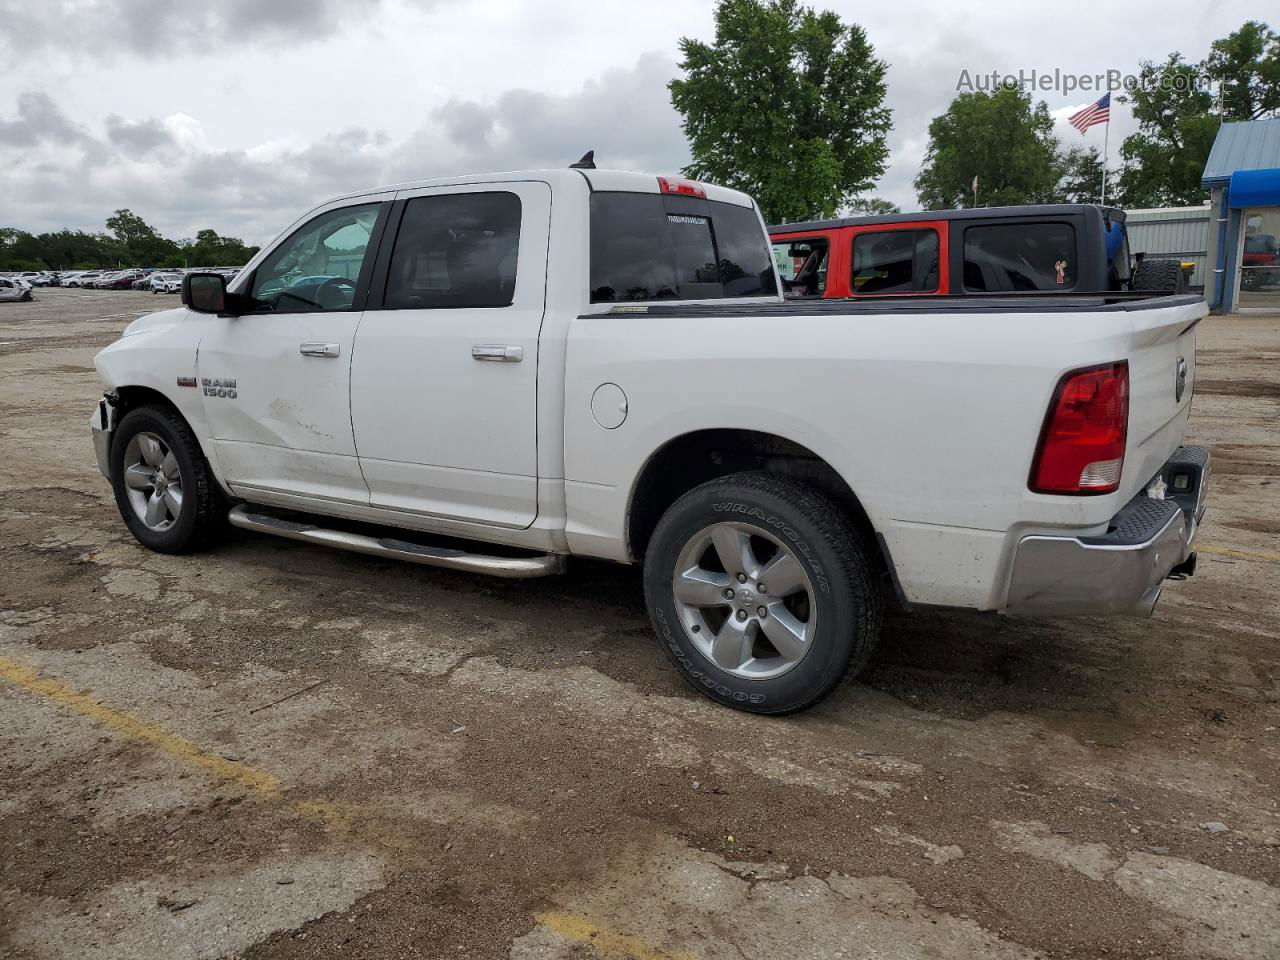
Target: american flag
[(1099, 112)]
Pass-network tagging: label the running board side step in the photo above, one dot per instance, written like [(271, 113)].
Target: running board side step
[(542, 565)]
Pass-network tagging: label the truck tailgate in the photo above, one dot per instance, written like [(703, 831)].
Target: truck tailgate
[(1162, 357)]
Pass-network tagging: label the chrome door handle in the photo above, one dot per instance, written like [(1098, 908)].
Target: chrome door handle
[(497, 353), (319, 349)]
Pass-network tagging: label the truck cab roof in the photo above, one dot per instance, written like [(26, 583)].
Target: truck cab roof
[(624, 181)]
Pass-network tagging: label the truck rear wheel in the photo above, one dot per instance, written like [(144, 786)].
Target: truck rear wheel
[(164, 488), (1165, 276), (762, 594)]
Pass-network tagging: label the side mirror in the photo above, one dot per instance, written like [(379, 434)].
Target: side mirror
[(205, 292)]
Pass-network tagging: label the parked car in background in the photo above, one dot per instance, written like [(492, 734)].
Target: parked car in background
[(618, 378), (1261, 261), (120, 281), (1055, 248), (86, 279), (162, 282), (14, 289)]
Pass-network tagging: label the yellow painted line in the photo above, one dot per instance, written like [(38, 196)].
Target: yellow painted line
[(1239, 554), (137, 728), (607, 944)]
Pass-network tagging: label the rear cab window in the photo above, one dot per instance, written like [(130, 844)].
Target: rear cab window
[(650, 246), (1019, 256)]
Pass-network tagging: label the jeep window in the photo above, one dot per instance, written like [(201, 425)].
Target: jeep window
[(895, 261), (648, 246), (317, 267), (802, 265), (1020, 256), (457, 250)]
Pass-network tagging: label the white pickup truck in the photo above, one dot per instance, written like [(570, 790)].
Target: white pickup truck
[(592, 363)]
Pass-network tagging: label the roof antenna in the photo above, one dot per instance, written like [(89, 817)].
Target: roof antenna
[(588, 162)]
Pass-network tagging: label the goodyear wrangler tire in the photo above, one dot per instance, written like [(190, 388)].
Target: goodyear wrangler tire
[(1165, 276), (163, 485), (761, 592)]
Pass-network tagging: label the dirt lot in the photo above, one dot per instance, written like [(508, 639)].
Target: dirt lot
[(274, 750)]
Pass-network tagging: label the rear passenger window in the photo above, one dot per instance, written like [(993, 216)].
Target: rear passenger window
[(1020, 256), (895, 261), (457, 250), (648, 246)]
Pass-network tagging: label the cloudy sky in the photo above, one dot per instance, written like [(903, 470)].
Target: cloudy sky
[(240, 114)]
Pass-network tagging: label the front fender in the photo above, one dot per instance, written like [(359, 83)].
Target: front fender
[(157, 361)]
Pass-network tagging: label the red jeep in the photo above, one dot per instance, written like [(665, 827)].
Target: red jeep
[(1076, 248)]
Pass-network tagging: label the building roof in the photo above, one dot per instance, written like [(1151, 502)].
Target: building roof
[(1245, 145)]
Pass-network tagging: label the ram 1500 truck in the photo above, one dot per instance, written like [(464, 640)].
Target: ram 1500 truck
[(593, 363)]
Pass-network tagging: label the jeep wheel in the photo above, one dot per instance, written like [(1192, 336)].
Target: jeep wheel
[(164, 488), (1164, 276), (761, 592)]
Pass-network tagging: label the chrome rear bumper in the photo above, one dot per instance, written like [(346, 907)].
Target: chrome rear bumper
[(1123, 571)]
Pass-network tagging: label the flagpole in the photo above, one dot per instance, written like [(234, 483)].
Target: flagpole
[(1106, 141)]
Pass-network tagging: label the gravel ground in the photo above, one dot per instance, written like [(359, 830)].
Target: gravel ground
[(274, 750)]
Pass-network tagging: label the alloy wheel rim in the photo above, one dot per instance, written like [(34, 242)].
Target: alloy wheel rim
[(153, 481), (745, 601)]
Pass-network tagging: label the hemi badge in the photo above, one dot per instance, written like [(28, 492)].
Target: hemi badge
[(186, 381)]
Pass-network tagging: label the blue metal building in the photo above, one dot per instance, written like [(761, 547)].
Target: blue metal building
[(1243, 178)]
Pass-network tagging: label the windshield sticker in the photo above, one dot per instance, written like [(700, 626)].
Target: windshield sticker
[(683, 218)]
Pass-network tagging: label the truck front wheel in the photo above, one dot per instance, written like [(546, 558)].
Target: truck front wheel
[(763, 595), (164, 488)]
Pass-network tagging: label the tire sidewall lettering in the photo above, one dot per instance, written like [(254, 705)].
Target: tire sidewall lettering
[(766, 518), (692, 669)]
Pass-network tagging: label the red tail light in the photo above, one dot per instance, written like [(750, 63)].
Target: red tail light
[(1082, 444), (685, 188)]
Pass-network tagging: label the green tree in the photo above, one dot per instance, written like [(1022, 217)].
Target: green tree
[(1246, 68), (1082, 176), (1162, 163), (1179, 115), (998, 137), (211, 250), (787, 104), (131, 243), (143, 245), (68, 249), (873, 207)]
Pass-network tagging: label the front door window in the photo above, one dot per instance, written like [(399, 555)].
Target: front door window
[(318, 267)]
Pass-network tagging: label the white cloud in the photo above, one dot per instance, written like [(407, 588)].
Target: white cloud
[(170, 172), (238, 114)]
